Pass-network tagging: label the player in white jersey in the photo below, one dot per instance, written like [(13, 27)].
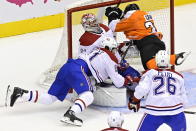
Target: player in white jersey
[(115, 121), (94, 33), (93, 37), (165, 97), (74, 74)]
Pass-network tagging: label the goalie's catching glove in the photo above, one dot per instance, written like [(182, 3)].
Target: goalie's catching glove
[(134, 104), (113, 13)]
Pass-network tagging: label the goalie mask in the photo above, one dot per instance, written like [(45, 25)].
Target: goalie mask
[(90, 23), (162, 59), (109, 44), (115, 119)]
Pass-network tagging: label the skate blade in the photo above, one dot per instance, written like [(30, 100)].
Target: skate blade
[(8, 94), (185, 57), (67, 121)]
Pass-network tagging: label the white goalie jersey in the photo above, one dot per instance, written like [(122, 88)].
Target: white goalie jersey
[(164, 92), (89, 41)]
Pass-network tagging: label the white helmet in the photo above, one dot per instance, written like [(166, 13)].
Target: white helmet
[(115, 119), (162, 59), (90, 23), (109, 43)]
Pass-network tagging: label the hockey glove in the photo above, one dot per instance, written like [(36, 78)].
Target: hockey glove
[(134, 104), (123, 65), (128, 80), (113, 13)]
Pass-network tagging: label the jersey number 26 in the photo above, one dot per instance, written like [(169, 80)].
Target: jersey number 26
[(165, 85)]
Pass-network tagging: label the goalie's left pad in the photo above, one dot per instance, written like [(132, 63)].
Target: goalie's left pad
[(134, 104), (113, 13)]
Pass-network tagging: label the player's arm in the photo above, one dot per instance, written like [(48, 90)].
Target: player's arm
[(112, 71), (120, 25), (184, 95), (141, 90), (113, 13)]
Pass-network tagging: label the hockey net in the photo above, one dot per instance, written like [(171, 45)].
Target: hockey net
[(161, 11)]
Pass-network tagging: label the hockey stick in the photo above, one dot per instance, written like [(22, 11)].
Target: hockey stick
[(118, 3), (187, 112), (125, 53)]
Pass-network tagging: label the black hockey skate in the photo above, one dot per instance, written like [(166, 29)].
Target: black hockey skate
[(181, 57), (18, 92), (70, 118)]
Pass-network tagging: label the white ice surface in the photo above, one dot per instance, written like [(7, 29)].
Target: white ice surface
[(23, 58)]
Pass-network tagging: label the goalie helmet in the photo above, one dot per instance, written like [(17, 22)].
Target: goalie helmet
[(131, 7), (109, 43), (162, 59), (90, 23), (115, 119)]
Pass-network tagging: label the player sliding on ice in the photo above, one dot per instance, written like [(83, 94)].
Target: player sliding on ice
[(100, 63), (139, 26), (165, 97)]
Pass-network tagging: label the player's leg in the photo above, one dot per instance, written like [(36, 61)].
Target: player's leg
[(81, 84), (31, 96), (176, 122), (148, 47), (150, 123), (57, 91)]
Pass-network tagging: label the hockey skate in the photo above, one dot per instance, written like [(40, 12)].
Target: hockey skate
[(181, 57), (70, 118), (18, 92)]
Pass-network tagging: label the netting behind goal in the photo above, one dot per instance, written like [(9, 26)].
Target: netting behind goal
[(161, 11)]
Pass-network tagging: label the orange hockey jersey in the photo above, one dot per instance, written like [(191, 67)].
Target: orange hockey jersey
[(136, 25)]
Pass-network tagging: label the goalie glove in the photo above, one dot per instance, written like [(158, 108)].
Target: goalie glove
[(113, 13), (134, 104)]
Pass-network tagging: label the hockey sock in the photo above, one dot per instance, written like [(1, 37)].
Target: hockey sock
[(151, 64), (30, 96), (172, 59), (84, 100), (40, 97)]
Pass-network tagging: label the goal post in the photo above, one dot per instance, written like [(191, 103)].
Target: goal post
[(162, 12)]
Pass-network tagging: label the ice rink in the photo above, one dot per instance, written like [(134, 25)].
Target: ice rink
[(24, 57)]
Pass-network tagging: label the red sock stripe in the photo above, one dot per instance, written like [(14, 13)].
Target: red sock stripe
[(82, 102), (36, 98)]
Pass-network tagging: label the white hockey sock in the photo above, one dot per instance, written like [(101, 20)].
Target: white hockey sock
[(84, 100), (30, 96), (41, 97)]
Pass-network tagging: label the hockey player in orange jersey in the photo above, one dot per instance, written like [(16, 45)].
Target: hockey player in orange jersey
[(139, 26)]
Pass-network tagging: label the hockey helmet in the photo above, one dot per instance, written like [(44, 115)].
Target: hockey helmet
[(131, 7), (90, 23), (115, 119), (162, 59), (109, 43)]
